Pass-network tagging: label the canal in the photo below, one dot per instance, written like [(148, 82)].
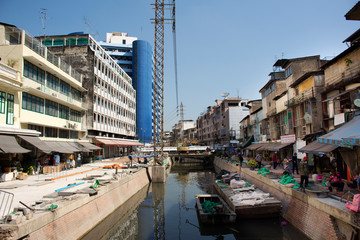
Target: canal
[(167, 211)]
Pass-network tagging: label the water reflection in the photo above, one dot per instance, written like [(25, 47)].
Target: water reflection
[(167, 211)]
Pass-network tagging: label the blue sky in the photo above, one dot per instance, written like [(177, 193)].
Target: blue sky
[(222, 45)]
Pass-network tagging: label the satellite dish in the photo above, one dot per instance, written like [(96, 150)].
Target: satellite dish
[(307, 117), (357, 102), (225, 95)]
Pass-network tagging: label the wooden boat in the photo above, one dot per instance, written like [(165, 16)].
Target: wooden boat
[(221, 213)]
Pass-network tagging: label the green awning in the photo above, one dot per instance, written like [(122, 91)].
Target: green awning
[(248, 142)]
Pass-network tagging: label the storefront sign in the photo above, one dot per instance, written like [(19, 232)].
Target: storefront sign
[(288, 138)]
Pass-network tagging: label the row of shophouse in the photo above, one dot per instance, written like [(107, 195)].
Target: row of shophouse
[(312, 107), (60, 101), (309, 106)]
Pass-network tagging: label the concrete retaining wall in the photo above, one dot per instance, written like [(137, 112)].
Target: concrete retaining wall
[(317, 218), (73, 218)]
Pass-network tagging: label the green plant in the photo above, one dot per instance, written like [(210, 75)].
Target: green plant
[(30, 170), (252, 163)]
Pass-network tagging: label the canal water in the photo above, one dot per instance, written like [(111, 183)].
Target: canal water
[(167, 211)]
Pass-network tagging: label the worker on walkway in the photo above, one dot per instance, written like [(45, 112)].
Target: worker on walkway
[(304, 172), (294, 161)]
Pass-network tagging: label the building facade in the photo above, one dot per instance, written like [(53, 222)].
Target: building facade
[(110, 98), (135, 58), (221, 122), (49, 95)]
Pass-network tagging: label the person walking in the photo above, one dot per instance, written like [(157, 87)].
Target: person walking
[(294, 161), (258, 159), (304, 172)]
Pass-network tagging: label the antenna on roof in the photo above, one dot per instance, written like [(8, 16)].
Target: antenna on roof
[(43, 19), (225, 95), (89, 28)]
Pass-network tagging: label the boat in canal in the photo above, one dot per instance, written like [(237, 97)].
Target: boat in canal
[(212, 209), (248, 201)]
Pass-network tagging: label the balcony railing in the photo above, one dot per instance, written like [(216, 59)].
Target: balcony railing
[(35, 45), (350, 72), (301, 98)]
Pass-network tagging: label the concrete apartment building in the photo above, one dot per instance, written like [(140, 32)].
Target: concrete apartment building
[(110, 99), (269, 93), (120, 47), (184, 133), (294, 69), (41, 107), (48, 96), (221, 123), (342, 85), (135, 58)]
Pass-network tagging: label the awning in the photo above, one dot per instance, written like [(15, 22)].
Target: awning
[(107, 142), (37, 142), (78, 147), (254, 146), (89, 146), (56, 146), (280, 146), (70, 146), (338, 95), (267, 147), (8, 144), (274, 147), (248, 142), (348, 135), (318, 148), (118, 142)]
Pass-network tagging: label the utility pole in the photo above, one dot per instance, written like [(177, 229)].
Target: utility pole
[(159, 22)]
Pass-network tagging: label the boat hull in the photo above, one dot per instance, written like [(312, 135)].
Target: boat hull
[(225, 215)]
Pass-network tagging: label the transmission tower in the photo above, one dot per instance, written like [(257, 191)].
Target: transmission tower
[(159, 22)]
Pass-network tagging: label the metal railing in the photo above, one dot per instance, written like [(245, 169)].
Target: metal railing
[(6, 200)]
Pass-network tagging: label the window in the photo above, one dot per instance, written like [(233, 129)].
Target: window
[(33, 72), (51, 108), (63, 112), (2, 101), (288, 72), (37, 128), (63, 133), (75, 94), (10, 109), (74, 134), (52, 82), (64, 88), (75, 115), (51, 132), (32, 103)]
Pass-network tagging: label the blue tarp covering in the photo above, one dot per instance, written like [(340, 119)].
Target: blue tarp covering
[(347, 135)]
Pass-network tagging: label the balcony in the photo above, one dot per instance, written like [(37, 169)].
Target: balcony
[(36, 46), (306, 95)]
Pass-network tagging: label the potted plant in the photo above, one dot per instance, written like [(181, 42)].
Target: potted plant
[(252, 164)]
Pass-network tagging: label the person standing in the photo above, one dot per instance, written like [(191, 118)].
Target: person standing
[(294, 161), (259, 159), (332, 162), (304, 172), (274, 159), (241, 159)]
